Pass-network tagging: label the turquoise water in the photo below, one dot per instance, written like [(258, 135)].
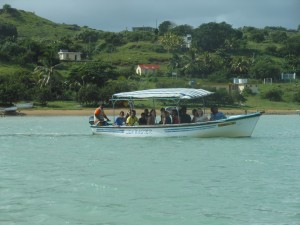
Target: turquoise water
[(53, 171)]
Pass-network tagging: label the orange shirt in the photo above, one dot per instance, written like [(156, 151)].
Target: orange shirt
[(99, 113)]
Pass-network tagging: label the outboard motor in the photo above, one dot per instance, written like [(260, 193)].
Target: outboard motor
[(91, 120)]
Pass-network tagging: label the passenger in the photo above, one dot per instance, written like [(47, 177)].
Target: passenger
[(128, 114), (120, 119), (175, 118), (215, 114), (203, 118), (167, 118), (184, 117), (99, 116), (146, 111), (195, 116), (142, 120), (198, 116), (152, 118), (162, 115), (132, 119)]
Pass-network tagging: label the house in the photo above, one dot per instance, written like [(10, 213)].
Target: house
[(288, 76), (69, 56), (149, 29), (241, 84), (187, 40), (147, 69)]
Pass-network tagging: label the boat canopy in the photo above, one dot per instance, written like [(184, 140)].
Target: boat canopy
[(162, 93)]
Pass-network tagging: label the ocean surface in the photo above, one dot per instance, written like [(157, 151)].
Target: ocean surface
[(54, 171)]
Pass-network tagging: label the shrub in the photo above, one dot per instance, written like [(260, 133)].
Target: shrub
[(296, 97), (273, 95)]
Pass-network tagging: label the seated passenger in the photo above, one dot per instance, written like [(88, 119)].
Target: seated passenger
[(175, 118), (146, 111), (120, 119), (184, 117), (202, 117), (215, 114), (162, 115), (167, 118), (152, 117), (132, 119), (142, 120), (198, 116), (127, 114)]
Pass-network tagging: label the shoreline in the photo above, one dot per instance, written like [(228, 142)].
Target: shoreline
[(110, 112)]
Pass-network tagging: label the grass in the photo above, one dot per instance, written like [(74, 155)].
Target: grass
[(133, 54)]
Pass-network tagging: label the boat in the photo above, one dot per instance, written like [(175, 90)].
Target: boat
[(9, 110), (28, 105), (232, 126)]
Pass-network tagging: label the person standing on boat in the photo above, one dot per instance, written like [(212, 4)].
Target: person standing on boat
[(215, 114), (99, 116), (132, 119)]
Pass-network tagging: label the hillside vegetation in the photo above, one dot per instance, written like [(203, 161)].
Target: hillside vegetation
[(30, 68)]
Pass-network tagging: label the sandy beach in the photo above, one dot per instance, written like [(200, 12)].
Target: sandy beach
[(110, 112)]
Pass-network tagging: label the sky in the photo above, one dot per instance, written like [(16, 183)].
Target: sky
[(119, 15)]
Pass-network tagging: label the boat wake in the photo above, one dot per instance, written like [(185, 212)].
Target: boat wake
[(45, 135)]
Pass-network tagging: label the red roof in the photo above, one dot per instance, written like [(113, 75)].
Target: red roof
[(149, 66)]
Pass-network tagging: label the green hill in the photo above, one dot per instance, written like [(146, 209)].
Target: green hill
[(32, 26), (218, 54)]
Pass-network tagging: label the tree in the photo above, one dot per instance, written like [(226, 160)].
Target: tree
[(265, 68), (11, 89), (238, 97), (240, 65), (279, 36), (7, 8), (87, 36), (182, 30), (257, 35), (293, 45), (174, 63), (88, 95), (165, 27), (171, 41), (97, 73), (190, 63), (212, 36), (43, 95), (48, 79)]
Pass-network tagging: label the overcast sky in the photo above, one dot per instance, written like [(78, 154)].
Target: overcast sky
[(118, 15)]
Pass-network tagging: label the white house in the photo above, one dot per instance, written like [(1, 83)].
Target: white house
[(69, 56), (241, 84), (147, 69), (187, 40), (288, 76)]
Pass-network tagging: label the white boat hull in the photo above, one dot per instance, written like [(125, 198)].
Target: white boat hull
[(234, 126)]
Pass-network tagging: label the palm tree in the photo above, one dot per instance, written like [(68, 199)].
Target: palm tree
[(240, 65), (43, 74)]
